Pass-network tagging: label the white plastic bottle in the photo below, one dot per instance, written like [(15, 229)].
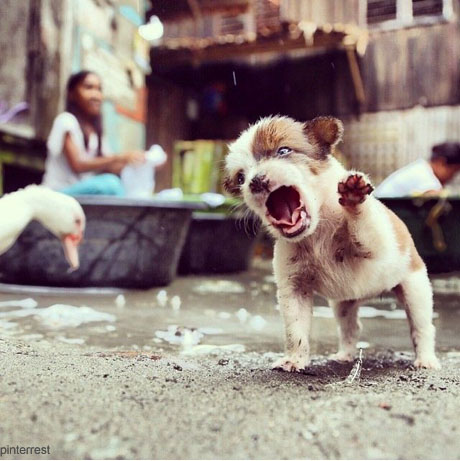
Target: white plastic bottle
[(139, 180)]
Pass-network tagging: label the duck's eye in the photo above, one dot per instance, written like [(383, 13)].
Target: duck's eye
[(284, 150), (240, 178)]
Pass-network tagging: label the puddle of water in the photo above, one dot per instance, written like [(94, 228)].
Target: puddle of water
[(237, 312)]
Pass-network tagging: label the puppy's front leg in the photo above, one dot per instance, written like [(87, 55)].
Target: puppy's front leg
[(297, 314), (361, 213)]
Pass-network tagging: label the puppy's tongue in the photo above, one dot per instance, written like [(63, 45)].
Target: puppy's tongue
[(281, 212)]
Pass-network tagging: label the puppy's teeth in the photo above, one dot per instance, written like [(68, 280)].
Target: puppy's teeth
[(303, 214)]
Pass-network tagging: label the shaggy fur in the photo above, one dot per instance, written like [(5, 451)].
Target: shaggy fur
[(341, 242)]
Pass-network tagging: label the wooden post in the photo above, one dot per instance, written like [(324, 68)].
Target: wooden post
[(356, 75)]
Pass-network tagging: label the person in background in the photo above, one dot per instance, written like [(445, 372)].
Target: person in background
[(422, 176), (79, 161)]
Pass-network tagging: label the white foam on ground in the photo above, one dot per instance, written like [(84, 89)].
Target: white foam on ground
[(257, 323), (120, 301), (28, 303), (62, 315), (63, 339), (178, 335), (162, 298), (243, 315), (365, 312), (186, 337), (176, 303), (5, 325), (219, 286)]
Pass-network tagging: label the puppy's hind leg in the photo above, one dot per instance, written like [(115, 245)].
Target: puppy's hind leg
[(417, 297), (349, 326)]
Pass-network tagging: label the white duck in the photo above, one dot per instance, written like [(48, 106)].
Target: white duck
[(61, 214)]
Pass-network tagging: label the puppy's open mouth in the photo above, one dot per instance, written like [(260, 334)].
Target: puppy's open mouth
[(286, 211)]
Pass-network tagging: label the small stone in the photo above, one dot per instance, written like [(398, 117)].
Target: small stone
[(176, 303), (257, 323), (385, 406), (307, 435), (120, 301), (242, 315), (162, 298)]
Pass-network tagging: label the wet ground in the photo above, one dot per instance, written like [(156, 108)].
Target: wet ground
[(184, 372)]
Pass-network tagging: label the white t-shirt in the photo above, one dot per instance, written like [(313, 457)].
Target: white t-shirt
[(415, 178), (58, 173)]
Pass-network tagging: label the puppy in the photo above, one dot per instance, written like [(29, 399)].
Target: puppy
[(332, 236)]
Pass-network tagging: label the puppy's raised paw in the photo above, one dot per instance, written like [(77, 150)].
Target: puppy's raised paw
[(291, 363), (430, 362), (354, 190)]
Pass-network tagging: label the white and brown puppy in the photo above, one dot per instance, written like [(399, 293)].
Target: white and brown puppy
[(332, 237)]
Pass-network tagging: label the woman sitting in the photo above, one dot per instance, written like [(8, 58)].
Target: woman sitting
[(79, 160)]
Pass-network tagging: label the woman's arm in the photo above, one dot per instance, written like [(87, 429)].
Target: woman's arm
[(113, 164)]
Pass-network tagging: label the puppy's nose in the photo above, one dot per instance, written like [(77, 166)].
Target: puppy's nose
[(258, 184)]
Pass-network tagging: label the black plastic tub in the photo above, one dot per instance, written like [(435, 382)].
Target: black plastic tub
[(218, 243), (435, 227), (128, 243)]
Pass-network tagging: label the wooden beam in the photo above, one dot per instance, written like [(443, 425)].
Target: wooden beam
[(195, 9), (170, 57), (356, 75)]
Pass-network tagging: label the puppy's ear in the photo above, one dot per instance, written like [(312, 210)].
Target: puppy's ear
[(325, 133), (231, 187)]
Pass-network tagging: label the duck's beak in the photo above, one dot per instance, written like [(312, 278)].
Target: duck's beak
[(70, 244)]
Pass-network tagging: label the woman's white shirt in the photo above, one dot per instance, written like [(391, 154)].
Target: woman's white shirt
[(58, 173)]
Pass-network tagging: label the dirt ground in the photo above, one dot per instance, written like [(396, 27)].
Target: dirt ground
[(122, 387)]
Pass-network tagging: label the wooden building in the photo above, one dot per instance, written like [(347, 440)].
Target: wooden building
[(388, 68)]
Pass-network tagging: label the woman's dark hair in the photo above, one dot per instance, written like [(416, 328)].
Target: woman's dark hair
[(450, 151), (70, 106)]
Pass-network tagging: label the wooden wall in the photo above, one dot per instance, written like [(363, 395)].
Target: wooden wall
[(324, 11), (30, 68), (411, 66), (13, 64)]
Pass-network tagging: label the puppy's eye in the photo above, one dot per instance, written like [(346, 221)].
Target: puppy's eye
[(240, 178), (284, 150)]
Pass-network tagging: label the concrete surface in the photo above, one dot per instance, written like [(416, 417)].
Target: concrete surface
[(120, 391)]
